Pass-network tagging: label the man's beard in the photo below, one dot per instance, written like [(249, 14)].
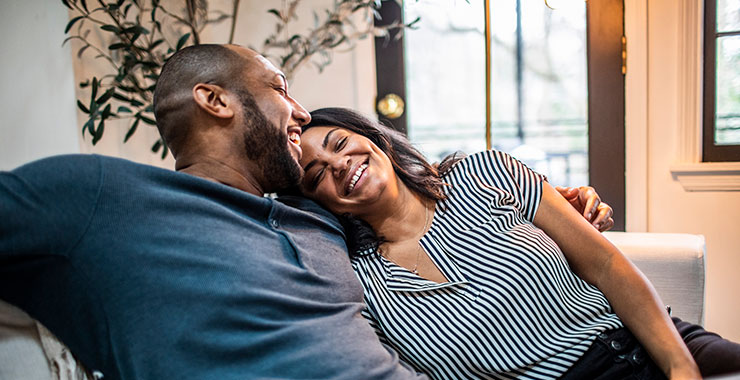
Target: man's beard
[(267, 145)]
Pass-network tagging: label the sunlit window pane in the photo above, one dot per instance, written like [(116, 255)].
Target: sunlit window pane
[(539, 98), (727, 116), (728, 15), (445, 76)]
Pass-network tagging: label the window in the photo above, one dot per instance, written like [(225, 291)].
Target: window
[(721, 137)]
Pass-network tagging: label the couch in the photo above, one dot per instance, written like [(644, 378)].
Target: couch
[(674, 263)]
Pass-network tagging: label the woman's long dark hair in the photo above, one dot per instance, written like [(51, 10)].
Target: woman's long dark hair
[(408, 163)]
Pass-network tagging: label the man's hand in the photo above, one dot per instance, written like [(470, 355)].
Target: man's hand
[(587, 202)]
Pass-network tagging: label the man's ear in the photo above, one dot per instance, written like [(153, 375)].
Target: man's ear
[(214, 100)]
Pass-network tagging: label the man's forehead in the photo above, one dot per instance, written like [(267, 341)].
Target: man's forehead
[(257, 66)]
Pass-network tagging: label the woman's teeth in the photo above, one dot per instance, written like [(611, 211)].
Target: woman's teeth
[(357, 175), (295, 138)]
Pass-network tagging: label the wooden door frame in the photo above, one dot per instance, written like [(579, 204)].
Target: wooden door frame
[(606, 102)]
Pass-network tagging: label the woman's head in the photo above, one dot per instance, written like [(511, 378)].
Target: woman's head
[(350, 160)]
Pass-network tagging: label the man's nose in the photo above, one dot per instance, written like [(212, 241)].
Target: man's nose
[(300, 114)]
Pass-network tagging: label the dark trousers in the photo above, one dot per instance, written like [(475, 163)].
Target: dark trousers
[(616, 354)]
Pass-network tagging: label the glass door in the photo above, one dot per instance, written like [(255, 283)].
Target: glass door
[(549, 72)]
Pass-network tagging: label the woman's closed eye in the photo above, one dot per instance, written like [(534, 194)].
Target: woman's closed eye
[(317, 178), (341, 143)]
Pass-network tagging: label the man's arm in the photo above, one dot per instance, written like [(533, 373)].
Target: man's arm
[(588, 203)]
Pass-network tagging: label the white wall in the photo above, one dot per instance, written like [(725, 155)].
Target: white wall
[(37, 104), (655, 140)]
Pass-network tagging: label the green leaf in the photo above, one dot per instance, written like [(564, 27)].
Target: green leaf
[(156, 146), (66, 3), (164, 151), (128, 89), (111, 28), (182, 41), (72, 22), (106, 113), (94, 88), (120, 97), (147, 120), (106, 95), (82, 107), (126, 9), (124, 109), (276, 13), (89, 126), (155, 44), (136, 29), (99, 132), (84, 5), (117, 46), (85, 83), (131, 130)]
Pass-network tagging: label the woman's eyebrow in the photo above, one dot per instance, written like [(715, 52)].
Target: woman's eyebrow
[(323, 146), (326, 138)]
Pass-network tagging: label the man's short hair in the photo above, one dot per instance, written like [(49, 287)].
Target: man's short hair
[(173, 100)]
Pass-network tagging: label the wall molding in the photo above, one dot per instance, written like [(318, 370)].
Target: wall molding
[(708, 176), (636, 116), (688, 169)]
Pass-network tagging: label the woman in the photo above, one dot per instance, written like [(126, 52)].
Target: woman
[(463, 270)]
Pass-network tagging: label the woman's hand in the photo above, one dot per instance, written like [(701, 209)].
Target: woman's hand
[(632, 297), (588, 203)]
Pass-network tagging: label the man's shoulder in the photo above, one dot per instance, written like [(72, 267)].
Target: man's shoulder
[(311, 207), (76, 163)]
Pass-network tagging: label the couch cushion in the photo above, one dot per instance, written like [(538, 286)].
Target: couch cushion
[(674, 263)]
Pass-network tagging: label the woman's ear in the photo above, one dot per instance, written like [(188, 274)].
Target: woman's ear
[(214, 100)]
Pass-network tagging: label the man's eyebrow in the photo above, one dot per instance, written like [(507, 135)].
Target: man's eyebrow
[(323, 145)]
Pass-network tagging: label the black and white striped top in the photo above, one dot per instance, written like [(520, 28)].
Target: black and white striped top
[(512, 307)]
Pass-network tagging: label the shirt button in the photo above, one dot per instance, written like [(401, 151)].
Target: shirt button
[(274, 223), (616, 345)]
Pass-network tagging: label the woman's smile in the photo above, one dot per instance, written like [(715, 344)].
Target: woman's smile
[(356, 177)]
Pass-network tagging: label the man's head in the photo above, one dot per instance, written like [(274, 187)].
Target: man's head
[(230, 104)]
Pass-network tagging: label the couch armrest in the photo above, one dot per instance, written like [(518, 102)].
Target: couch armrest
[(674, 263)]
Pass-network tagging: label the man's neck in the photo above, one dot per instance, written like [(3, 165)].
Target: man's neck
[(216, 170)]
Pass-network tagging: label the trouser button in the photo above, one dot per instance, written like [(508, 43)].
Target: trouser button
[(616, 345)]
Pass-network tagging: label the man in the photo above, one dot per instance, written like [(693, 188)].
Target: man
[(151, 274), (147, 273)]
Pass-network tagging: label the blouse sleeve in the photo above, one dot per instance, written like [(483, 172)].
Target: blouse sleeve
[(502, 171)]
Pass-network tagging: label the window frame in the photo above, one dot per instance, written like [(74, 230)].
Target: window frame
[(688, 168), (710, 151)]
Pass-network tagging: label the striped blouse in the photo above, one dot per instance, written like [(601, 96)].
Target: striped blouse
[(511, 308)]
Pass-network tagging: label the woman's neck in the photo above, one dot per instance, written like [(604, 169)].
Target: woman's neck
[(407, 218)]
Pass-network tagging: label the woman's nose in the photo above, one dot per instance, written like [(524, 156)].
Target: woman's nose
[(340, 164)]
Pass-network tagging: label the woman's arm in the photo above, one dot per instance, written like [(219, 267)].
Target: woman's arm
[(631, 295)]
